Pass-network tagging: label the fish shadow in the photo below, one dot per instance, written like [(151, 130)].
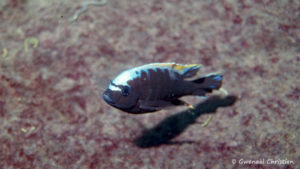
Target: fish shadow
[(174, 125)]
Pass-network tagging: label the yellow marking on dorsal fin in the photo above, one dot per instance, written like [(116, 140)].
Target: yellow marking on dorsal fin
[(180, 67), (160, 64), (175, 66)]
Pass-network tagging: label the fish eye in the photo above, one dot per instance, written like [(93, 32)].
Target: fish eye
[(125, 91)]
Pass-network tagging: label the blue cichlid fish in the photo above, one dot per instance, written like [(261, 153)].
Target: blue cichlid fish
[(154, 86)]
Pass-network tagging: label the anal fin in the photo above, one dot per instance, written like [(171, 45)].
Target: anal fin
[(181, 102)]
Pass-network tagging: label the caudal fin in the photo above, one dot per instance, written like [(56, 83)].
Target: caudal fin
[(208, 84)]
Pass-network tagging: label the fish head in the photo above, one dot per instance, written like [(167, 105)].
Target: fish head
[(122, 97)]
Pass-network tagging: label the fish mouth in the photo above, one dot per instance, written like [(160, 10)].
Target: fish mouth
[(107, 98)]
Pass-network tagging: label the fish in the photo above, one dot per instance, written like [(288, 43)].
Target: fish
[(155, 86)]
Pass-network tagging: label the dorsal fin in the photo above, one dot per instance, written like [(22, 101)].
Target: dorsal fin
[(186, 70)]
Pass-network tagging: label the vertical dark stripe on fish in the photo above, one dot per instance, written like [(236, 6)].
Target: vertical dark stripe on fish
[(166, 85)]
